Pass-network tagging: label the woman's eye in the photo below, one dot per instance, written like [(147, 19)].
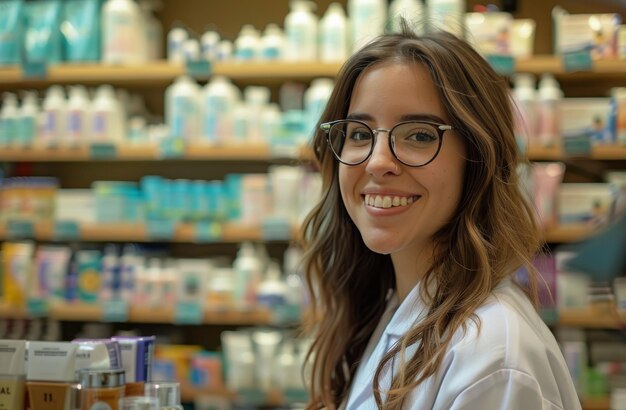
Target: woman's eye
[(422, 137), (360, 135)]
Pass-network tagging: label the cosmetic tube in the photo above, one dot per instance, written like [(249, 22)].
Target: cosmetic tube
[(97, 354), (137, 359), (50, 375), (101, 388), (12, 374)]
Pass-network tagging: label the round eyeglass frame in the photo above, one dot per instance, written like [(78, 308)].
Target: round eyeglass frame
[(441, 129)]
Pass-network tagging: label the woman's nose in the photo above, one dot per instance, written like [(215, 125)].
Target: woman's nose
[(382, 161)]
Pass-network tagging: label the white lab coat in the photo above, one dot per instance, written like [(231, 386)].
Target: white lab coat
[(513, 363)]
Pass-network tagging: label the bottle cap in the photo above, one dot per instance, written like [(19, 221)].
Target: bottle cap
[(93, 378)]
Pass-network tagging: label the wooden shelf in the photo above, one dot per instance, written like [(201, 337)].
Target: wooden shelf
[(87, 312), (567, 233), (540, 64), (275, 71), (600, 153), (603, 403), (591, 320)]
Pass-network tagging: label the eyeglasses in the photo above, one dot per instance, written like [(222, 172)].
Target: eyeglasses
[(413, 143)]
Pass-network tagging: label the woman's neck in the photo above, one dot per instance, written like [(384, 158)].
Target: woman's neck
[(410, 267)]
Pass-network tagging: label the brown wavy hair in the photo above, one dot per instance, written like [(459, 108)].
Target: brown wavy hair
[(492, 234)]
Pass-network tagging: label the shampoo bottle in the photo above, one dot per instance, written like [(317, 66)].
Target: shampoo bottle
[(54, 116), (28, 119), (550, 96), (334, 34), (123, 33), (209, 42), (78, 112), (181, 108), (301, 32), (272, 43), (108, 120), (247, 275), (219, 97), (247, 43), (9, 116), (175, 41)]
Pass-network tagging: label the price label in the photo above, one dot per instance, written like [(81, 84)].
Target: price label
[(251, 396), (502, 64), (20, 229), (172, 147), (32, 69), (287, 314), (198, 68), (207, 232), (66, 230), (189, 313), (577, 61), (102, 151), (115, 311), (36, 307), (577, 146), (161, 229), (276, 229), (296, 396)]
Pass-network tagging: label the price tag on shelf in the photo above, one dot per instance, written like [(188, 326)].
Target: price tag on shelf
[(172, 148), (199, 68), (160, 229), (20, 229), (37, 307), (577, 61), (207, 232), (251, 397), (100, 150), (66, 230), (296, 396), (189, 313), (275, 229), (577, 146), (115, 310), (502, 64), (31, 69)]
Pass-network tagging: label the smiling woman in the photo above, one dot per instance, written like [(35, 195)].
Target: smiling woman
[(411, 251)]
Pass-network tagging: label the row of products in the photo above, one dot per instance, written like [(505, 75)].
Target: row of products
[(51, 31), (285, 193), (561, 204), (83, 374), (146, 277), (546, 119)]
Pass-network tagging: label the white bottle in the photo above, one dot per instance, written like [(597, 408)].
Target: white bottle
[(334, 34), (256, 98), (123, 33), (209, 43), (271, 118), (247, 275), (191, 49), (78, 116), (175, 41), (28, 119), (301, 32), (272, 290), (107, 119), (54, 116), (292, 267), (548, 110), (367, 20), (182, 108), (224, 50), (219, 97), (9, 117), (525, 97), (153, 32), (410, 10), (315, 99), (272, 43), (247, 43), (447, 15)]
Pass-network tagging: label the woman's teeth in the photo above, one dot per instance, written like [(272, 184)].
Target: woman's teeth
[(388, 201)]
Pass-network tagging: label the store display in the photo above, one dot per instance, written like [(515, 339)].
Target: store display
[(301, 31), (12, 373), (333, 33), (42, 38)]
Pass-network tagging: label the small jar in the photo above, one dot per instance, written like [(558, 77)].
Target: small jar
[(102, 389), (139, 403)]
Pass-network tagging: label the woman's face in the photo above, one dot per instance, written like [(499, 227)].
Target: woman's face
[(385, 94)]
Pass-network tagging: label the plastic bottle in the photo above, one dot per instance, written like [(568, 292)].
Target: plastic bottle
[(526, 111), (315, 99), (219, 97), (54, 116), (272, 43), (9, 116), (110, 273), (257, 99), (272, 290), (224, 50), (123, 33), (301, 32), (247, 275), (153, 32), (446, 15), (410, 10), (209, 42), (78, 116), (175, 40), (367, 20), (270, 122), (334, 34), (247, 43), (191, 49), (550, 96), (182, 108), (107, 120), (28, 119)]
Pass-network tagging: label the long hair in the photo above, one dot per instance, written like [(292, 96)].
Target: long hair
[(492, 233)]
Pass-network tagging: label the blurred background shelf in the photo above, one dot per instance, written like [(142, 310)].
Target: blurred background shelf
[(600, 152), (603, 403), (592, 319)]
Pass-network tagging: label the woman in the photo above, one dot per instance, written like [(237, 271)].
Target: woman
[(412, 249)]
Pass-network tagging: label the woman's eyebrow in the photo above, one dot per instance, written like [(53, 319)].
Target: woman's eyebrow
[(406, 117)]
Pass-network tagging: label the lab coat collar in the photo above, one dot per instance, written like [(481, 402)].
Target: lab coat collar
[(412, 309)]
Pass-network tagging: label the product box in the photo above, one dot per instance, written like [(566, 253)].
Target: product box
[(489, 32), (88, 267), (586, 203), (588, 117), (594, 32)]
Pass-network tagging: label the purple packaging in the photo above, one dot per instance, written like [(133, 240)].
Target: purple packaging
[(137, 357), (97, 354)]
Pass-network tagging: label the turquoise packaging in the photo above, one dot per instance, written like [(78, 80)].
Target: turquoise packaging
[(43, 35), (11, 31), (80, 30), (232, 196), (89, 264)]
